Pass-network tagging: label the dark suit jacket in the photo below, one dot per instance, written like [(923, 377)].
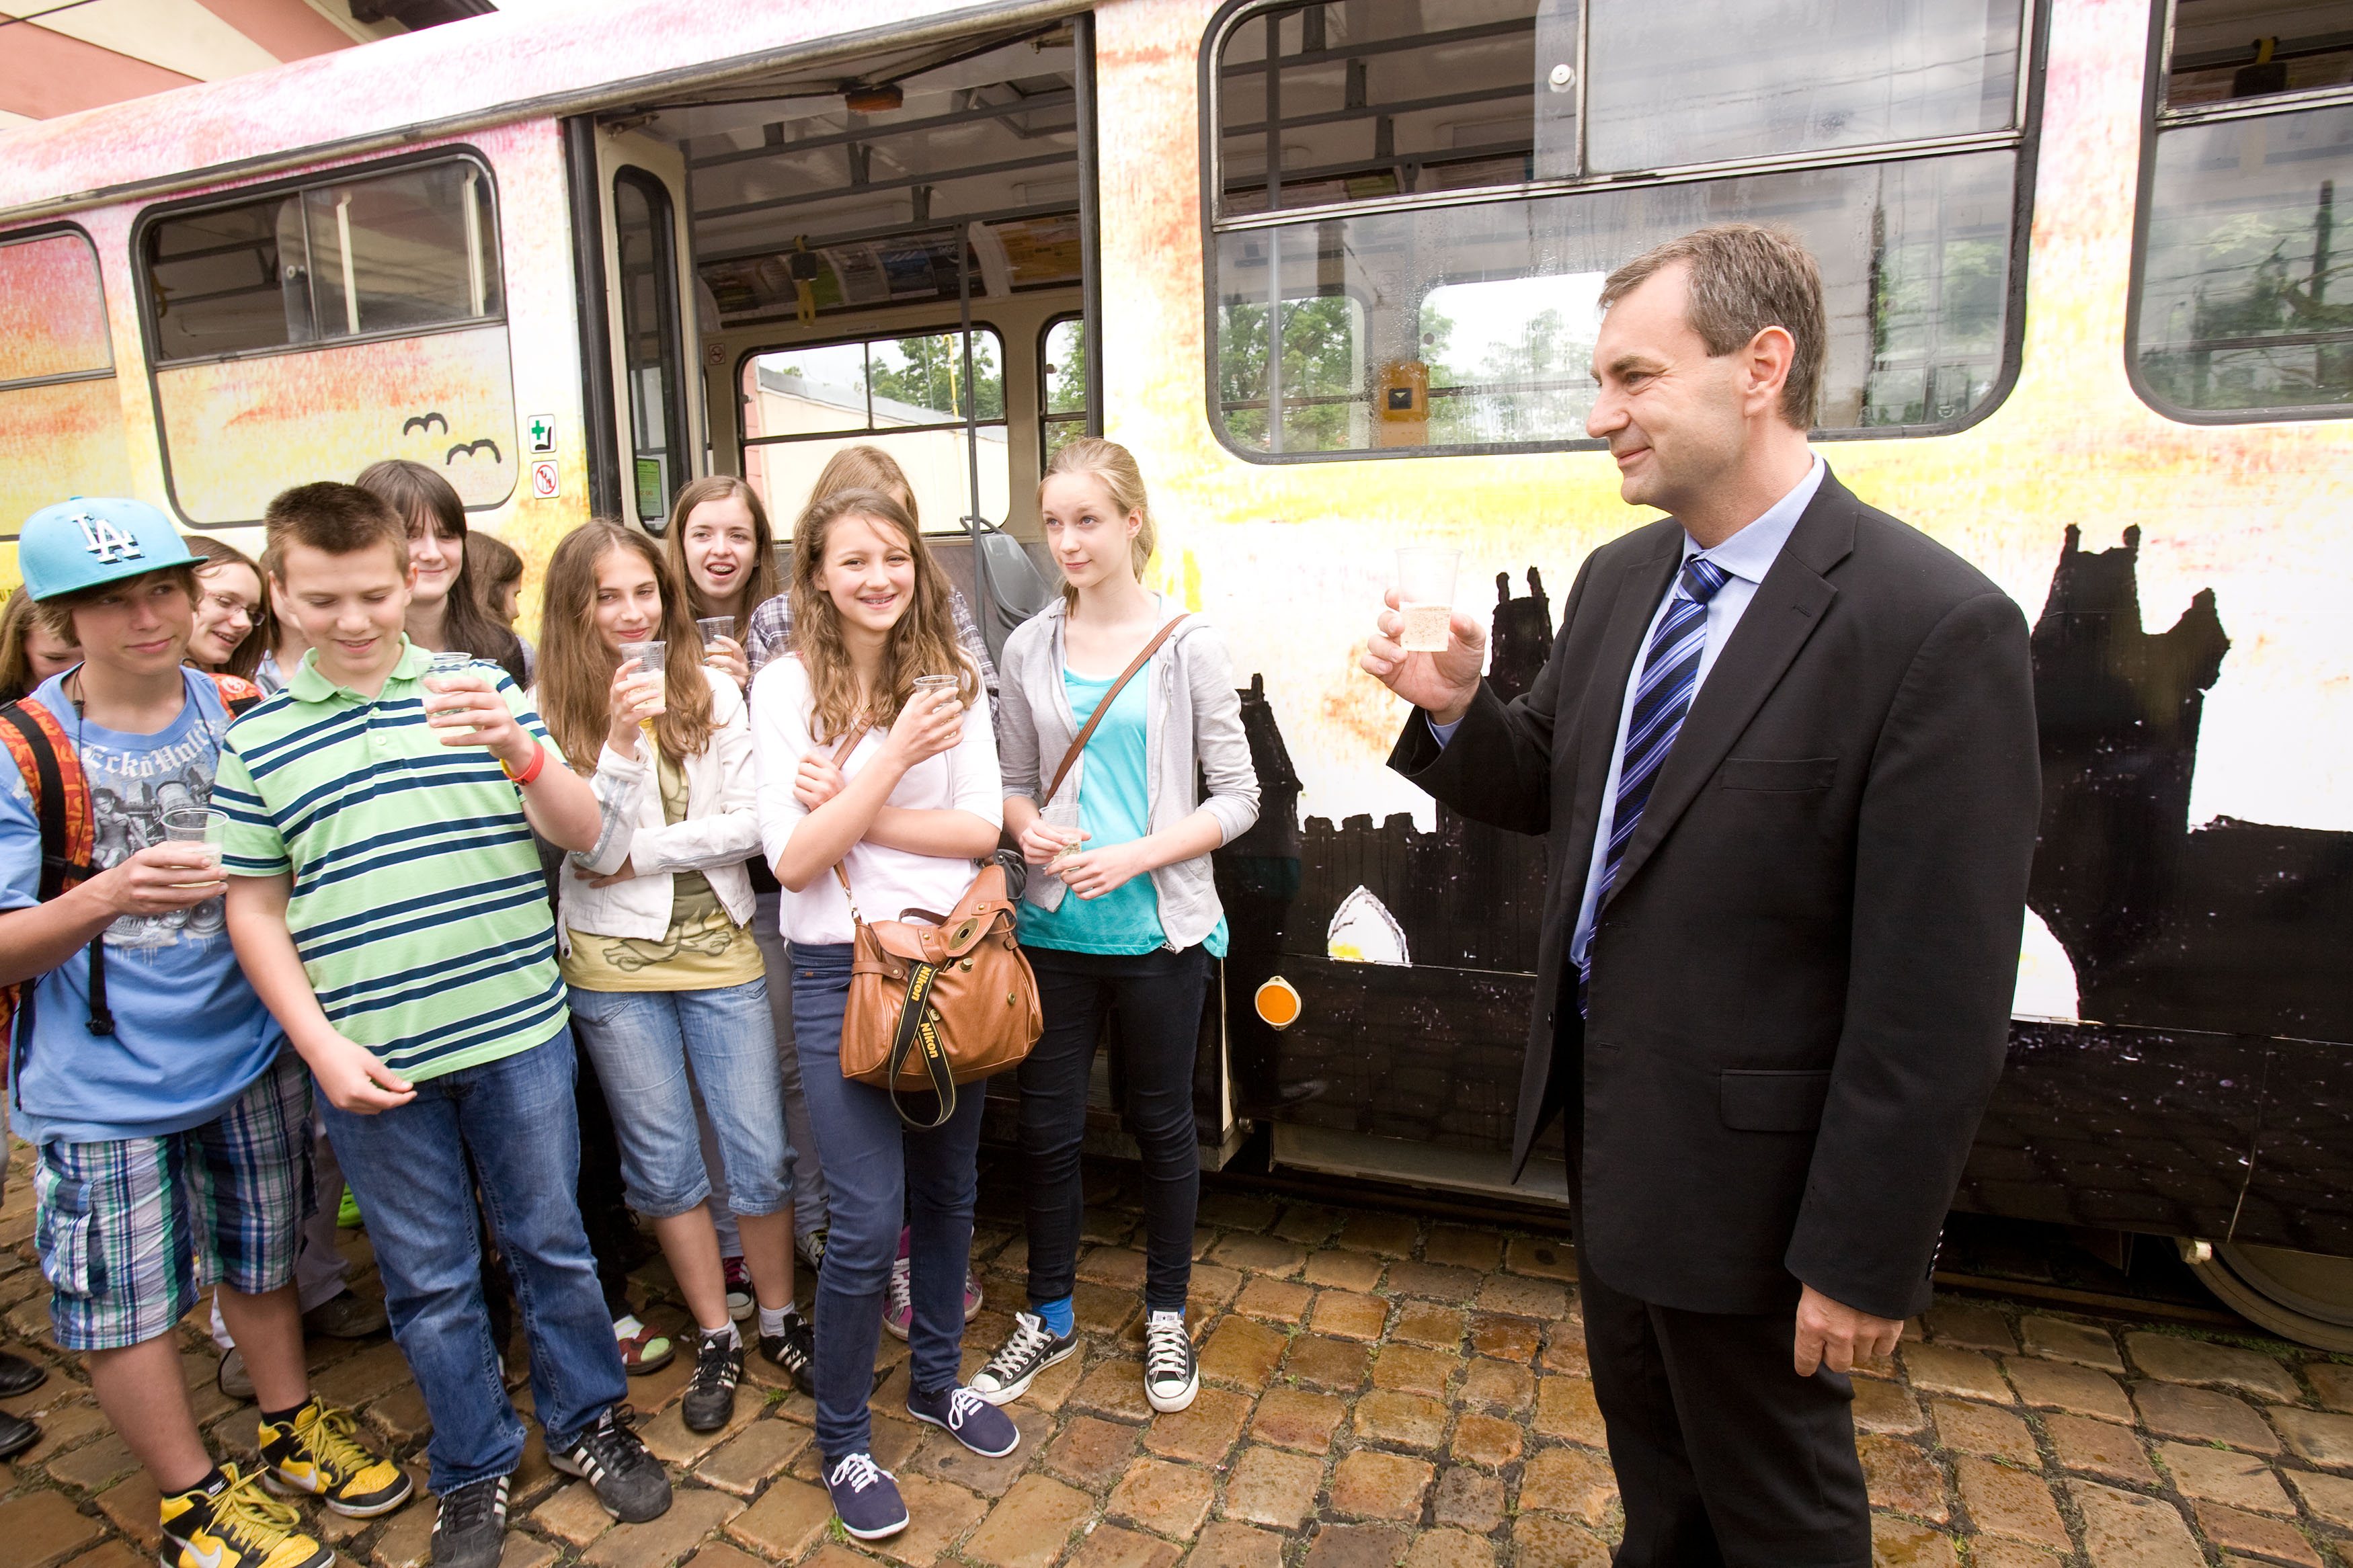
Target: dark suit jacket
[(1801, 982)]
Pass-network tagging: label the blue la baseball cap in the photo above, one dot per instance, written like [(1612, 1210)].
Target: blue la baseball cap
[(90, 540)]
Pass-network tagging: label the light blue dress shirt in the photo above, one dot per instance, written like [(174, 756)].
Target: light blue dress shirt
[(1747, 555)]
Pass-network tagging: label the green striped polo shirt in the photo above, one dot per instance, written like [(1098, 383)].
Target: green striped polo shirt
[(418, 904)]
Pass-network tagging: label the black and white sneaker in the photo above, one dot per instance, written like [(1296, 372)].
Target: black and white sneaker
[(472, 1527), (708, 1402), (793, 1350), (1030, 1349), (627, 1479), (1171, 1376)]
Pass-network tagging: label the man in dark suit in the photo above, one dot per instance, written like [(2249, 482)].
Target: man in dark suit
[(1784, 753)]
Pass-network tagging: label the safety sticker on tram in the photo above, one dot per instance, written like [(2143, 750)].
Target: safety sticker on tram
[(542, 478), (542, 431)]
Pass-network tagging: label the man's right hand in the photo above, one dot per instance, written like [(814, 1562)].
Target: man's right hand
[(354, 1080), (159, 879), (1440, 684)]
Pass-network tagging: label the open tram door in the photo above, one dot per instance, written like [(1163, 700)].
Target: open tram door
[(895, 248)]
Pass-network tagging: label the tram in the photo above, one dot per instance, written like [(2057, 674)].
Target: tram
[(1329, 269)]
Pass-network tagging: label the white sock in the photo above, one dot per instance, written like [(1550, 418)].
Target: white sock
[(626, 1327), (772, 1321), (734, 1340)]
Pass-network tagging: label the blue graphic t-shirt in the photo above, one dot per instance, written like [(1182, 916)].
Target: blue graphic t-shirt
[(189, 1033)]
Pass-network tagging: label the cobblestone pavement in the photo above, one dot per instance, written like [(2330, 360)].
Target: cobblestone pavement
[(1378, 1389)]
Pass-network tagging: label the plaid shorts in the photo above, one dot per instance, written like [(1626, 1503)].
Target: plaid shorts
[(130, 1231)]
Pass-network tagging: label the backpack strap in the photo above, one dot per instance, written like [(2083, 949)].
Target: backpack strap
[(44, 754), (238, 695)]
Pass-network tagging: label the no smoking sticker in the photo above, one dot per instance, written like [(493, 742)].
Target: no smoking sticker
[(542, 478)]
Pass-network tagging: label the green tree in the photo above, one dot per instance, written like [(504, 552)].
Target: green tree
[(932, 375), (1320, 386)]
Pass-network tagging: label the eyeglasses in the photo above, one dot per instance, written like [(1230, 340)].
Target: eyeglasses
[(231, 606)]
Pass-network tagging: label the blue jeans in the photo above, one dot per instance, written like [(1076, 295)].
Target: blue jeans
[(644, 1044), (878, 1170), (509, 1127)]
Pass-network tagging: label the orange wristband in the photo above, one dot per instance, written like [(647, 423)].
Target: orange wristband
[(530, 769)]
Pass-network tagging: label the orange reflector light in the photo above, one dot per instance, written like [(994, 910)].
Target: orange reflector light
[(1278, 1004)]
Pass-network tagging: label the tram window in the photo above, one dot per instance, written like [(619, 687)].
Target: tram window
[(645, 239), (52, 310), (390, 253), (2241, 308), (904, 394), (1419, 309), (1063, 385)]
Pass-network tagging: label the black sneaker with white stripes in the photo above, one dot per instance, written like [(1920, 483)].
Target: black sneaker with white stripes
[(708, 1402), (471, 1529), (627, 1479), (792, 1350), (1030, 1349), (1171, 1377)]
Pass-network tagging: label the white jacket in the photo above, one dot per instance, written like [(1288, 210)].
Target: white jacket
[(720, 829)]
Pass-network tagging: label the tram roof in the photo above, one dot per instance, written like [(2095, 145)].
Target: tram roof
[(458, 78)]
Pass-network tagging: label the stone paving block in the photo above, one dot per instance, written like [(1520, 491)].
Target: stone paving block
[(2015, 1503), (1350, 1315), (1094, 1453), (1435, 1327), (65, 1424), (1462, 1248), (1540, 1541), (1410, 1369), (1120, 1268), (2219, 1475), (2101, 1447), (406, 1540), (1343, 1270), (1053, 1385), (1898, 1474), (1403, 1420), (131, 1507), (2236, 1531), (1100, 1309), (943, 1457), (694, 1515), (1978, 1429), (2178, 1360), (1900, 1543), (1237, 1210), (1467, 1498), (2058, 1340), (1568, 1481), (1434, 1280), (1937, 1369), (1295, 1418), (1990, 1554), (2313, 1435), (1564, 1350), (1308, 1224), (1537, 1298), (2333, 1381), (1356, 1546), (1566, 1408), (1484, 1440), (667, 1438), (939, 1515), (1267, 1486), (1969, 1326), (1240, 1350), (1880, 1405), (1260, 1254), (1106, 1225), (713, 1554), (1116, 1387), (1224, 1543), (2328, 1497), (1449, 1549), (2062, 1385), (358, 1379), (42, 1527), (110, 1554), (1328, 1362), (2125, 1529), (1166, 1498), (1201, 1434), (789, 1515), (572, 1514), (1279, 1300), (1109, 1546), (93, 1465), (401, 1414), (1389, 1234), (763, 1450), (2203, 1415)]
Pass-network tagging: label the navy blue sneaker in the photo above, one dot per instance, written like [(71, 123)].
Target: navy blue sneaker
[(975, 1423), (865, 1498)]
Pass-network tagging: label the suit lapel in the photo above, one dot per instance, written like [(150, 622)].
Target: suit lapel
[(1789, 604), (1641, 582)]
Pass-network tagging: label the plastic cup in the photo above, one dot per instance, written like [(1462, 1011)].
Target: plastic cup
[(714, 628), (450, 661), (1425, 586), (923, 683), (650, 658), (202, 826)]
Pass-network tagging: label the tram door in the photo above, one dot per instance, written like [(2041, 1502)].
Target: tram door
[(651, 417)]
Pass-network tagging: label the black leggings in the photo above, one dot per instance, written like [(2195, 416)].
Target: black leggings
[(1159, 996)]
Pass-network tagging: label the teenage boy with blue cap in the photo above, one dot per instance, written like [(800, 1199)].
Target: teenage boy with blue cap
[(171, 1123)]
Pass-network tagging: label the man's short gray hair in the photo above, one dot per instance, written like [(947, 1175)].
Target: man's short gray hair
[(1744, 278)]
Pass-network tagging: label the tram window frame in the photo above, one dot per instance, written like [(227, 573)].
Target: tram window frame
[(2157, 119), (2021, 141), (1047, 419), (491, 236), (869, 431), (14, 238), (674, 455)]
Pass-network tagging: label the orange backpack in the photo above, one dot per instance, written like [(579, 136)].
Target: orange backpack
[(44, 755)]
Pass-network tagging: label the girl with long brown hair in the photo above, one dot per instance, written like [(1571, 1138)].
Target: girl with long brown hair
[(230, 633), (445, 613), (30, 652), (720, 547), (914, 801), (665, 982)]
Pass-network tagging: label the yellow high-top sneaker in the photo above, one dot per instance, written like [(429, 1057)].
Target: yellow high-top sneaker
[(239, 1526), (316, 1452)]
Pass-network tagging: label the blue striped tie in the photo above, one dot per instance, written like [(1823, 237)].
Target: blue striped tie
[(1669, 676)]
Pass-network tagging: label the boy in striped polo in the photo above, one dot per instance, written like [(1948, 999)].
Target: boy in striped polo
[(387, 902)]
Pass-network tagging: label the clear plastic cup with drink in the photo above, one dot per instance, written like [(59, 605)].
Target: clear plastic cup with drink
[(1425, 589), (650, 658), (711, 628), (449, 661), (201, 828)]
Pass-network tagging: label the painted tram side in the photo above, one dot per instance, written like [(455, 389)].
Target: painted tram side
[(1328, 268)]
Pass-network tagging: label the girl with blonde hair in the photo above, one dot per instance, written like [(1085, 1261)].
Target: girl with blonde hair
[(665, 981), (1129, 833)]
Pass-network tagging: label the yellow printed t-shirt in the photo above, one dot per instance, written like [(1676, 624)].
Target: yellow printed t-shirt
[(701, 950)]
